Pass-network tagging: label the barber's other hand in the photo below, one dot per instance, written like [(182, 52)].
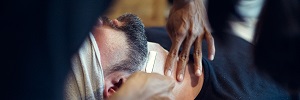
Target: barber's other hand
[(188, 24), (146, 86)]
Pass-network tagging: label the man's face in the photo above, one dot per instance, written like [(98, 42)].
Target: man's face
[(123, 48)]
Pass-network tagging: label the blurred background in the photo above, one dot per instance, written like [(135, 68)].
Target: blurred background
[(152, 12)]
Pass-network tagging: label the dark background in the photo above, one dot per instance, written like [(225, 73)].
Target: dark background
[(38, 39)]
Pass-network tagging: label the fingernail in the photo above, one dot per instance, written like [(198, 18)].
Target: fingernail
[(198, 72), (169, 73), (180, 77), (212, 57)]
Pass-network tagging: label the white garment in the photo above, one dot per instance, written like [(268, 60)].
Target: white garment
[(86, 79), (249, 10)]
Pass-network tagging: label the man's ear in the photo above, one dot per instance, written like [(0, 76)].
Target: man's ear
[(113, 86), (117, 22)]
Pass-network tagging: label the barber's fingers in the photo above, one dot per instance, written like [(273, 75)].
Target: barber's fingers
[(177, 38), (198, 56), (184, 55), (210, 44), (172, 57)]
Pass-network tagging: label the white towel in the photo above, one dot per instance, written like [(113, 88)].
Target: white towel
[(86, 79)]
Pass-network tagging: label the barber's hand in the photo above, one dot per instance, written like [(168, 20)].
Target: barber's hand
[(188, 25), (146, 86)]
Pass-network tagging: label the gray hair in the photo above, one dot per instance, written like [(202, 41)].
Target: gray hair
[(137, 41)]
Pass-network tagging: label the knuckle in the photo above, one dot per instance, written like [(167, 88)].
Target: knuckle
[(181, 34), (208, 30), (193, 33), (207, 34), (183, 57), (211, 39), (197, 53), (173, 54)]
